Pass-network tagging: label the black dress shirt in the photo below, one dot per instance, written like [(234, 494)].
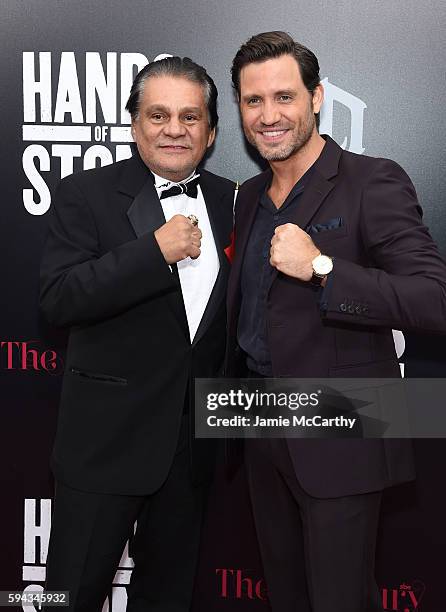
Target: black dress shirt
[(256, 278)]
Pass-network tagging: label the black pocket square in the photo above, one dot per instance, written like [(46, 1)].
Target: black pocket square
[(323, 227)]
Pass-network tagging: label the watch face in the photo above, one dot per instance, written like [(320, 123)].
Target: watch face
[(322, 264)]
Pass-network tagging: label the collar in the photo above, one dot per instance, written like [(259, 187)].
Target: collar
[(162, 183)]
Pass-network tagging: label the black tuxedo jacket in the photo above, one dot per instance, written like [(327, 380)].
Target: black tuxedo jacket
[(387, 274), (130, 360)]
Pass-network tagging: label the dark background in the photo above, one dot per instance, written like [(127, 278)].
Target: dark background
[(390, 55)]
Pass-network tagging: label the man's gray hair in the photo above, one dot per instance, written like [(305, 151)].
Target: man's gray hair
[(178, 67)]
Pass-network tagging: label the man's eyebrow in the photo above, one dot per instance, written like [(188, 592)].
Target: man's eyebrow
[(281, 92), (161, 108), (192, 109), (156, 108), (249, 96), (285, 92)]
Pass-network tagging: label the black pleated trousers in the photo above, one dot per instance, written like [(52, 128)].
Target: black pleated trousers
[(89, 532)]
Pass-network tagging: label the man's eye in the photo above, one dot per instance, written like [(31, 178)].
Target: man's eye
[(285, 98), (253, 101), (190, 118), (157, 117)]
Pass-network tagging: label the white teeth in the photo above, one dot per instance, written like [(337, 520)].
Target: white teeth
[(279, 133)]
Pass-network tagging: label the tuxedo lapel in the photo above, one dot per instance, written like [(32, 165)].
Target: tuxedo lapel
[(216, 212), (146, 215)]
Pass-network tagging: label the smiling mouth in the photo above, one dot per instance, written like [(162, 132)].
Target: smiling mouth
[(272, 134)]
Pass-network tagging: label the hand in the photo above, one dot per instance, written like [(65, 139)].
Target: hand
[(178, 239), (292, 251)]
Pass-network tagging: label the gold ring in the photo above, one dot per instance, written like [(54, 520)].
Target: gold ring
[(193, 219)]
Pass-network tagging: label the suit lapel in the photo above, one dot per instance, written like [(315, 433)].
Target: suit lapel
[(146, 215), (318, 188), (247, 208), (313, 196), (216, 213)]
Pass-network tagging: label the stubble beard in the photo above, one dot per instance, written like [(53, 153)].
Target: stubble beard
[(301, 135)]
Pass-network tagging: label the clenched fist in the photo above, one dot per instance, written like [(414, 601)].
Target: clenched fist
[(292, 251), (178, 239)]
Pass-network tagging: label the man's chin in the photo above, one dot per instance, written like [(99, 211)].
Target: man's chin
[(175, 172), (274, 154)]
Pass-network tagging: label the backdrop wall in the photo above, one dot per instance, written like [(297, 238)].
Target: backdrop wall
[(66, 69)]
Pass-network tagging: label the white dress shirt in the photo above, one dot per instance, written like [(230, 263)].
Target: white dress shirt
[(197, 276)]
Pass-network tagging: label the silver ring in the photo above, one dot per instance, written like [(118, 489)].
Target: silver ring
[(193, 219)]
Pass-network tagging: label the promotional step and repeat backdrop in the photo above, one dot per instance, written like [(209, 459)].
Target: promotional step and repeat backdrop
[(66, 70)]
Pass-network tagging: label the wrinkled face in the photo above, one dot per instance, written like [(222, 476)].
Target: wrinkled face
[(277, 109), (172, 129)]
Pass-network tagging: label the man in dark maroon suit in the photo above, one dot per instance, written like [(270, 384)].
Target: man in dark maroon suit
[(330, 255)]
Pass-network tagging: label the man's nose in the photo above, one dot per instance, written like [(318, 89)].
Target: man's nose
[(270, 113), (174, 128)]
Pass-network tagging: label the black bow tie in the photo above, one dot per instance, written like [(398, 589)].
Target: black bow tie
[(190, 189)]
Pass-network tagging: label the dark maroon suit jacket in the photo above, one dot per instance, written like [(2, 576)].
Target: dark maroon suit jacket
[(387, 274)]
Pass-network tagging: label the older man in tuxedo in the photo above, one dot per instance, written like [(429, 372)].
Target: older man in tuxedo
[(330, 254), (134, 264)]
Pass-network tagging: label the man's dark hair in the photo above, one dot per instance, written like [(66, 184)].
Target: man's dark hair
[(177, 67), (269, 45)]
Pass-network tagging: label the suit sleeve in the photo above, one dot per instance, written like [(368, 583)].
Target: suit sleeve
[(405, 285), (81, 285)]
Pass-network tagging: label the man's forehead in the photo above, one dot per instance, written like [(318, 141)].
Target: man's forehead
[(278, 72), (169, 89)]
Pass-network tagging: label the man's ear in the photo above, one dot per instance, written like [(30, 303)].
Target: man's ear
[(132, 129), (211, 137), (318, 98)]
